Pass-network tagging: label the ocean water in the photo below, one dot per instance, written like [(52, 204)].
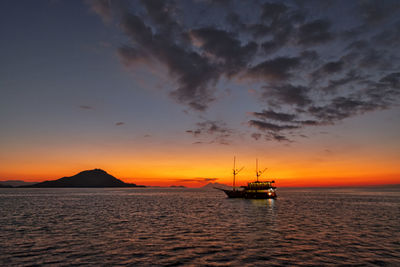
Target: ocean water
[(195, 227)]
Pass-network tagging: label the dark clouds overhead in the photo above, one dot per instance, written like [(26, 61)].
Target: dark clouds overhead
[(277, 69), (286, 94), (315, 62), (223, 49), (315, 32)]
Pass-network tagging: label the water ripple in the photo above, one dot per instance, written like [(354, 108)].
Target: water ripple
[(172, 227)]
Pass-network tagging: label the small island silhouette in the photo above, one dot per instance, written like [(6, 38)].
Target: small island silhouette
[(213, 185), (88, 178)]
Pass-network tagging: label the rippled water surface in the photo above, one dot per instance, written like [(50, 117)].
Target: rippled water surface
[(144, 226)]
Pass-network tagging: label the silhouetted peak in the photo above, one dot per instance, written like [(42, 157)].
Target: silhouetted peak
[(88, 178), (94, 171)]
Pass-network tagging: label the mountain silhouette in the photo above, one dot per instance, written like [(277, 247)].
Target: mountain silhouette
[(89, 178)]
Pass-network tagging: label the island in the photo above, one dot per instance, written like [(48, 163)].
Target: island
[(88, 178), (15, 183), (214, 185)]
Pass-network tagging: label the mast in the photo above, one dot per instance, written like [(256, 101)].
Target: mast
[(235, 171), (258, 173)]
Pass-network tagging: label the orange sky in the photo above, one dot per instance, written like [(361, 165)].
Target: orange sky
[(174, 166), (355, 154)]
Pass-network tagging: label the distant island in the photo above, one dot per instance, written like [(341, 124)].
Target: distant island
[(89, 178), (15, 183), (212, 185)]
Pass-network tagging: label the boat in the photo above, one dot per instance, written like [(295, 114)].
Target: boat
[(253, 190)]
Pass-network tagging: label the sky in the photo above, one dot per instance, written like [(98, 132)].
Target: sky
[(168, 92)]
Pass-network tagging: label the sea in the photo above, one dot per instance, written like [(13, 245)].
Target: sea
[(199, 227)]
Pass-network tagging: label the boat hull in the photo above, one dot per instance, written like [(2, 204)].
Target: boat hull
[(248, 195), (233, 194)]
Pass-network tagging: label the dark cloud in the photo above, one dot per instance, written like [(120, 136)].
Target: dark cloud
[(85, 107), (286, 94), (276, 137), (392, 80), (350, 78), (194, 73), (136, 29), (160, 13), (194, 132), (315, 32), (270, 46), (309, 56), (389, 37), (223, 48), (272, 115), (258, 29), (233, 19), (198, 179), (277, 69), (267, 126), (328, 69), (212, 131), (198, 143), (341, 108), (256, 136), (223, 3), (274, 125), (374, 96), (119, 123), (273, 11), (374, 12), (270, 136), (372, 57), (310, 68), (358, 45), (331, 67), (212, 127)]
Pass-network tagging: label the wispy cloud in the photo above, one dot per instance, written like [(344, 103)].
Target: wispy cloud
[(212, 132), (198, 179), (86, 107)]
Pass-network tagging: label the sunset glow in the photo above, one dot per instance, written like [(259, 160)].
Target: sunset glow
[(162, 95)]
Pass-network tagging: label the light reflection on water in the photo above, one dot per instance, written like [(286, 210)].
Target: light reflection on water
[(142, 226)]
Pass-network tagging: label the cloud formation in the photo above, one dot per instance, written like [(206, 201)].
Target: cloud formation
[(201, 180), (212, 132), (85, 107), (312, 67)]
